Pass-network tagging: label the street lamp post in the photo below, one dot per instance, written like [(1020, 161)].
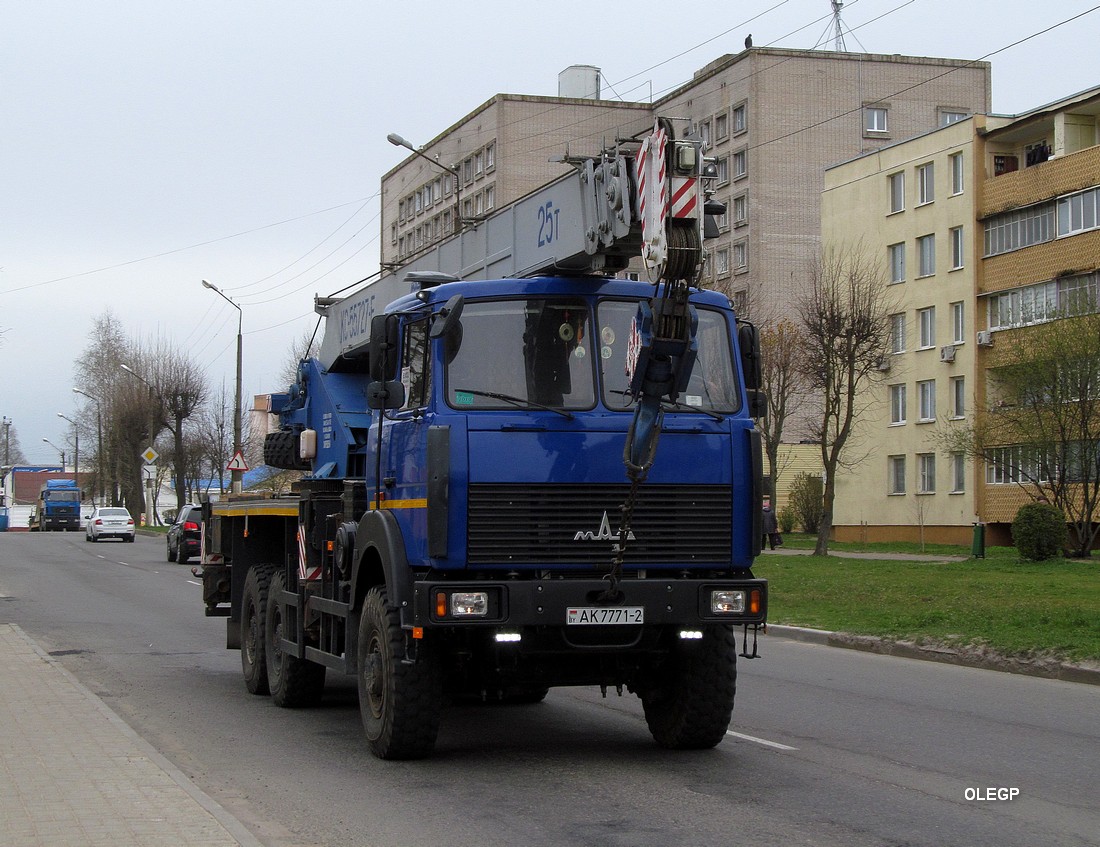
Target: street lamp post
[(399, 141), (99, 444), (59, 450), (76, 451), (237, 474)]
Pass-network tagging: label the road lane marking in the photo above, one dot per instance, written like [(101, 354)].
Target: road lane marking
[(773, 744), (192, 582)]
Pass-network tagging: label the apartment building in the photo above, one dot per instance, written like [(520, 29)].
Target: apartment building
[(773, 119), (986, 229), (492, 156)]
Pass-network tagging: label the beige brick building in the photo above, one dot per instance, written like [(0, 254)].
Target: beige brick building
[(773, 120), (985, 233)]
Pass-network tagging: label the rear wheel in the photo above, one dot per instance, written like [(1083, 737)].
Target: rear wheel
[(253, 613), (293, 681), (688, 701), (400, 703)]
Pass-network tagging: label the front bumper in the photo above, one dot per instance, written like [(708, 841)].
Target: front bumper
[(667, 602)]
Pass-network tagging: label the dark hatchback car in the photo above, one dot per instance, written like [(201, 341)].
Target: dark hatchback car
[(185, 534)]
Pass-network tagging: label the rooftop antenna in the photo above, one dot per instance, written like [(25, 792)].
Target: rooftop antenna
[(838, 30)]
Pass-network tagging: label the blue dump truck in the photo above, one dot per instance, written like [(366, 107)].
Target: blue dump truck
[(549, 477), (58, 507)]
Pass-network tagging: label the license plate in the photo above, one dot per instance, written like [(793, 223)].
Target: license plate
[(604, 615)]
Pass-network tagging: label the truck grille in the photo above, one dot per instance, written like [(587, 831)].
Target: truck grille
[(574, 524)]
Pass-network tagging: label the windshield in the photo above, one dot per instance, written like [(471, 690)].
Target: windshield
[(713, 384), (530, 352), (70, 496)]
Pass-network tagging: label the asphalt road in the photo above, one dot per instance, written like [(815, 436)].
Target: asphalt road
[(830, 747)]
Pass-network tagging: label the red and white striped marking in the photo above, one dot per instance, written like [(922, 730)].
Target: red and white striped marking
[(303, 572), (653, 201), (685, 198)]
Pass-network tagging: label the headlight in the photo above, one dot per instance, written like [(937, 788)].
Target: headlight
[(727, 602), (470, 604)]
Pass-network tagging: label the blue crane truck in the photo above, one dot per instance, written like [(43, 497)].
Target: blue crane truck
[(58, 507), (517, 480)]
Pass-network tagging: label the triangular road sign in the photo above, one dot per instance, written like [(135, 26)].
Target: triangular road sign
[(237, 463)]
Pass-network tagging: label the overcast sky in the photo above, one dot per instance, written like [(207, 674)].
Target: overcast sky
[(148, 145)]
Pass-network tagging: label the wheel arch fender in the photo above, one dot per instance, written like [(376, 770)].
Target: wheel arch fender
[(380, 559)]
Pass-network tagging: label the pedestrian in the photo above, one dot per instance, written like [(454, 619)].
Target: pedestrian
[(771, 528)]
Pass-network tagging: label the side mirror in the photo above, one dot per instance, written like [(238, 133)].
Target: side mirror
[(446, 321), (749, 341), (386, 395), (383, 347)]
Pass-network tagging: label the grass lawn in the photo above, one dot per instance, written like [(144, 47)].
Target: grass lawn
[(1021, 609)]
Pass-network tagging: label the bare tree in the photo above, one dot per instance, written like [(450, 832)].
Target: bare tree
[(216, 435), (9, 447), (304, 346), (781, 344), (845, 324), (182, 390)]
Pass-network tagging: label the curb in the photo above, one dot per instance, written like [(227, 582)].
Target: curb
[(985, 660)]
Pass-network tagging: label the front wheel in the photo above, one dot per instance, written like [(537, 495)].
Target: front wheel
[(400, 703), (253, 615), (293, 681), (688, 698)]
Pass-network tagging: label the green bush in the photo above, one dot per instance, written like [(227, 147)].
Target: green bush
[(786, 520), (807, 499), (1039, 532)]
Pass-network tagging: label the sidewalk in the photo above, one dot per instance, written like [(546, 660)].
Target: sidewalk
[(73, 773)]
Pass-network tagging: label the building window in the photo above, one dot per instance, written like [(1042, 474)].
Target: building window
[(874, 119), (448, 186), (958, 323), (393, 233), (1019, 228), (721, 127), (704, 133), (951, 116), (741, 256), (957, 185), (447, 227), (957, 252), (897, 404), (740, 118), (897, 192), (926, 399), (958, 397), (1078, 213), (1029, 304), (926, 320), (437, 190), (740, 210), (722, 165), (723, 220), (958, 473), (722, 262), (740, 164), (926, 255), (468, 170), (490, 156), (1010, 465), (897, 333), (926, 462), (897, 262), (926, 183), (895, 472)]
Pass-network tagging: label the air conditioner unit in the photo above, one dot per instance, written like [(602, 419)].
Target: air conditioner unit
[(985, 338), (883, 364), (947, 354)]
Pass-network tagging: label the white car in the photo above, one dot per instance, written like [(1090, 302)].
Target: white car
[(109, 522)]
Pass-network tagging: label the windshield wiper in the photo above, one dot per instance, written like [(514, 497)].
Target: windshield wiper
[(516, 401)]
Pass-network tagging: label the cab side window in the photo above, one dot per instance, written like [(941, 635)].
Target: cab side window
[(415, 365)]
